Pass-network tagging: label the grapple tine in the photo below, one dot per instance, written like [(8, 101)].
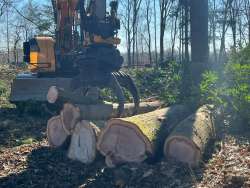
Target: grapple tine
[(127, 82), (116, 87)]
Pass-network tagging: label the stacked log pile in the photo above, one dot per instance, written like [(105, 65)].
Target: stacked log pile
[(137, 138), (75, 121), (149, 135)]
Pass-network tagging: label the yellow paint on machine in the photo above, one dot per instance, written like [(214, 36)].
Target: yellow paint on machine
[(111, 40), (44, 59)]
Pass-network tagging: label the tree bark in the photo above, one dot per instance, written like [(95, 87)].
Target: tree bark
[(72, 113), (139, 137), (199, 38), (189, 139)]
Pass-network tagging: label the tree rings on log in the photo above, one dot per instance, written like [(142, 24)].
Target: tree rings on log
[(55, 132), (83, 142), (52, 95), (189, 139), (70, 115), (136, 138)]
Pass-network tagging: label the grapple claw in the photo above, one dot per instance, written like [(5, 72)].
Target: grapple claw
[(116, 87), (127, 82)]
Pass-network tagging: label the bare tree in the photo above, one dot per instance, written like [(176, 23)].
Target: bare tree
[(165, 6), (247, 15), (213, 28), (148, 19), (224, 22), (136, 4), (155, 34), (199, 38), (2, 7), (17, 39), (174, 17)]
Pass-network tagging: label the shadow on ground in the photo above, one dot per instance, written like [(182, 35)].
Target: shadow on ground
[(50, 168), (17, 129), (46, 167)]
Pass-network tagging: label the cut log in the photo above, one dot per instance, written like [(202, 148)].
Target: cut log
[(95, 112), (189, 139), (70, 116), (59, 95), (139, 137), (143, 108), (70, 112), (55, 132), (83, 142)]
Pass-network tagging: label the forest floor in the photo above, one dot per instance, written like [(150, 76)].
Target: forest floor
[(26, 160)]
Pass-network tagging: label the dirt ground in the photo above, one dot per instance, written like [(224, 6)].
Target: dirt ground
[(27, 161), (34, 164)]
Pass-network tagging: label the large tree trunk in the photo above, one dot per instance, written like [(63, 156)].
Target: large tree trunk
[(83, 142), (136, 138), (189, 139), (199, 38)]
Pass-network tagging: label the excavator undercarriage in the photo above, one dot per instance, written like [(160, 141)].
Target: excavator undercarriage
[(83, 55)]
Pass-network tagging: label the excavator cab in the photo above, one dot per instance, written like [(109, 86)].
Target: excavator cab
[(39, 54)]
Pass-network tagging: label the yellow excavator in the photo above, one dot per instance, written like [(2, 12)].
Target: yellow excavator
[(82, 55)]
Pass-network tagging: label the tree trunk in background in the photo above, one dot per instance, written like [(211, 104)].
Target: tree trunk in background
[(156, 55), (162, 28), (247, 14), (174, 32), (149, 31), (164, 11), (233, 21), (186, 7), (136, 7), (214, 31), (199, 38), (224, 30), (7, 32)]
